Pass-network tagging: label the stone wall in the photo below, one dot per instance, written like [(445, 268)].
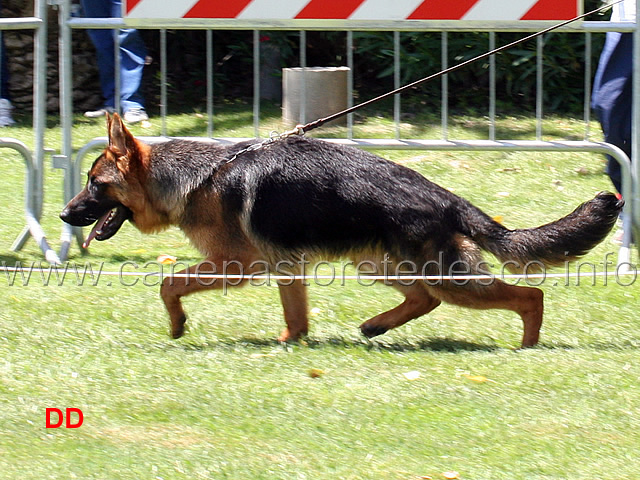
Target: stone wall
[(19, 51)]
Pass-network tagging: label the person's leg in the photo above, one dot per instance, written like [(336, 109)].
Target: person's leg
[(6, 118), (612, 102), (103, 42), (4, 73), (132, 56), (612, 96)]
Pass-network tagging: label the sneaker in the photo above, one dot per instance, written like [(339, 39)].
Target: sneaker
[(98, 113), (6, 119), (135, 115)]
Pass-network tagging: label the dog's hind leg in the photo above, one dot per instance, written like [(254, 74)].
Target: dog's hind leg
[(294, 302), (418, 301), (525, 301)]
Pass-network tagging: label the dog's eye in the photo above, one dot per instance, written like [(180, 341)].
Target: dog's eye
[(95, 184)]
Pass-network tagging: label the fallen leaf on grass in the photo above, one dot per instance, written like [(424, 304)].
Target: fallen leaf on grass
[(451, 475), (498, 218), (165, 259), (478, 378), (315, 312), (316, 372)]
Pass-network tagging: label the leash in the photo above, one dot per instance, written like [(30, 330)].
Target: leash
[(302, 129), (318, 123)]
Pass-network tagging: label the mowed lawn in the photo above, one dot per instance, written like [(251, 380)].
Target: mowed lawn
[(445, 396)]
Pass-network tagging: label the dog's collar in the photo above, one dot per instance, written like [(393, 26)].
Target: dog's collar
[(274, 137)]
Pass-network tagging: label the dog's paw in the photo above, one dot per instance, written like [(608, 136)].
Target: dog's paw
[(290, 336), (371, 331), (177, 328)]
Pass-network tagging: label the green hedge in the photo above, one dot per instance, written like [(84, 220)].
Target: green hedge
[(564, 64)]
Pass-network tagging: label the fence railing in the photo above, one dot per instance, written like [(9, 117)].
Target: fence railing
[(34, 160), (72, 163)]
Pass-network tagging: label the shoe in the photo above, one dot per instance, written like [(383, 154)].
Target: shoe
[(6, 119), (135, 115), (98, 113)]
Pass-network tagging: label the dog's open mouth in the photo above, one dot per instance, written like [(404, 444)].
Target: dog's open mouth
[(107, 225)]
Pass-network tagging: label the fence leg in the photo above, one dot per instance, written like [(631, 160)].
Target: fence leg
[(63, 160), (635, 137), (35, 171), (33, 204), (20, 240)]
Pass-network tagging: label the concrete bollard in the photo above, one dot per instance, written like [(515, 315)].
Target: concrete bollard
[(325, 92)]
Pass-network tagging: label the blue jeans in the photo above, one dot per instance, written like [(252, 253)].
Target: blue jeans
[(132, 56), (612, 99), (4, 73)]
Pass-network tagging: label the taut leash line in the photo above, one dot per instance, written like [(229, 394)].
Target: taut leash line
[(302, 129)]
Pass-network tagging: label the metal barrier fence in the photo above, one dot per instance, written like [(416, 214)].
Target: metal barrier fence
[(34, 161), (72, 165)]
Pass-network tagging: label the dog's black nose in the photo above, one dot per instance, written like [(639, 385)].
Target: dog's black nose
[(64, 215)]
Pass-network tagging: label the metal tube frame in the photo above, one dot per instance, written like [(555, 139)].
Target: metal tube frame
[(34, 162), (210, 80), (256, 83), (66, 121), (630, 171), (635, 129)]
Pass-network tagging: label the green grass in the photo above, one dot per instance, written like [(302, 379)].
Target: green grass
[(228, 401)]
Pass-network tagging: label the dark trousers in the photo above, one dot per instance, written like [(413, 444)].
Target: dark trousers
[(612, 99), (4, 69)]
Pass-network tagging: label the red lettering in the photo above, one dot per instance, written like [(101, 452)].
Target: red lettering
[(69, 423), (80, 418), (60, 417)]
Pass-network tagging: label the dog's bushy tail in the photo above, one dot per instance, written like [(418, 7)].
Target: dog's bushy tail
[(552, 244)]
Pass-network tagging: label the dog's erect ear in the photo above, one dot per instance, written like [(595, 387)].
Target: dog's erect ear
[(121, 141)]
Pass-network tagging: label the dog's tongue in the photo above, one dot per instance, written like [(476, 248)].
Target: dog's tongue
[(96, 228)]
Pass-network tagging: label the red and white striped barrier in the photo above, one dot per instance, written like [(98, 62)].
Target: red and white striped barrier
[(480, 10)]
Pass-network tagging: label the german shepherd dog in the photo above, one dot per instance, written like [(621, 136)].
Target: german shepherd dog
[(301, 197)]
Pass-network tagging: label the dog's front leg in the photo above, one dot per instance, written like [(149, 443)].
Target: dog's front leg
[(195, 279), (293, 296)]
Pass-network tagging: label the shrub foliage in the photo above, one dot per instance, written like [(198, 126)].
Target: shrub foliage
[(564, 60)]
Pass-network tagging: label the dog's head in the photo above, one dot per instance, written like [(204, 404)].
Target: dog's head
[(112, 191)]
